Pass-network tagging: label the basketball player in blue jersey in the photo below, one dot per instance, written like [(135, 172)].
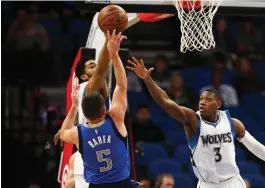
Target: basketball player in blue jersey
[(210, 132), (103, 141), (92, 77)]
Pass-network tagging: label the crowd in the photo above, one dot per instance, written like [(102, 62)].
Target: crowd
[(39, 42)]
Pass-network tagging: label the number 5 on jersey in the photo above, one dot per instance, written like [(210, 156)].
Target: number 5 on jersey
[(101, 159)]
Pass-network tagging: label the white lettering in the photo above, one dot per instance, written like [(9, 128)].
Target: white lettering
[(109, 139), (104, 139), (95, 142), (91, 144), (99, 140)]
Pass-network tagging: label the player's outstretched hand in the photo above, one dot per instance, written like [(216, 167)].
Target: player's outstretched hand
[(139, 68), (75, 96), (114, 42)]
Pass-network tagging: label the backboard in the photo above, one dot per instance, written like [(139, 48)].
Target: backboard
[(228, 7)]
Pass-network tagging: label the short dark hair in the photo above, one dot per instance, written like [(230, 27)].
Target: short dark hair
[(92, 105), (80, 67), (143, 106), (215, 92)]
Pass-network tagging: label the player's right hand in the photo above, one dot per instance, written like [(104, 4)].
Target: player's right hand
[(75, 96), (114, 42), (139, 68)]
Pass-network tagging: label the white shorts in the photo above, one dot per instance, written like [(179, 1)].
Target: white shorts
[(80, 182), (79, 172), (235, 182)]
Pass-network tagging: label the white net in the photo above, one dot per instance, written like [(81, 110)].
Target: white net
[(196, 17)]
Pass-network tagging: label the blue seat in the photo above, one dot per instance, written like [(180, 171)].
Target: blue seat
[(247, 167), (157, 111), (228, 77), (182, 154), (259, 68), (137, 98), (177, 138), (252, 126), (261, 137), (252, 100), (183, 181), (134, 99), (256, 180), (237, 112), (164, 166), (152, 152), (239, 154), (191, 173), (167, 123)]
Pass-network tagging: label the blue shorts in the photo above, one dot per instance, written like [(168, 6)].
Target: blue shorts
[(127, 183)]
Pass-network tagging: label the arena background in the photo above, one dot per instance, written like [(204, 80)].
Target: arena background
[(36, 70)]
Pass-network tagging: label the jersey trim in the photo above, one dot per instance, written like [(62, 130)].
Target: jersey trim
[(216, 123), (80, 138), (124, 139), (194, 140), (231, 123), (241, 182)]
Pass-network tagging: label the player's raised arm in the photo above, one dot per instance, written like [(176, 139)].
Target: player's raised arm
[(98, 78), (180, 113), (68, 133), (119, 100), (249, 141)]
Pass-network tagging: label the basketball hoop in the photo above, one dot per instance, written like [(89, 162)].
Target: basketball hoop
[(196, 17)]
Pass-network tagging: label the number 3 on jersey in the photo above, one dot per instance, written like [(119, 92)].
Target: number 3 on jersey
[(100, 158), (218, 156)]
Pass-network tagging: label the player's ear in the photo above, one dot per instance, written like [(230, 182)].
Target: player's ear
[(219, 104), (84, 77)]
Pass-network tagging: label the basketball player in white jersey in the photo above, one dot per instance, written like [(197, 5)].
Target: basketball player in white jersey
[(211, 134), (92, 77)]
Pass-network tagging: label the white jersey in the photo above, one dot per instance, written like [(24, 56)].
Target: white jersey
[(81, 117), (213, 150), (78, 163)]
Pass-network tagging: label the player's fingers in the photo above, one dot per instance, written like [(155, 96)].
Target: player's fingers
[(76, 88), (141, 62), (132, 63), (61, 143), (118, 37), (135, 61), (55, 141), (113, 34), (108, 35), (122, 38), (130, 68), (150, 70)]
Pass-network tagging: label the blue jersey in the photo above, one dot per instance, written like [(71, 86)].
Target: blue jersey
[(105, 153)]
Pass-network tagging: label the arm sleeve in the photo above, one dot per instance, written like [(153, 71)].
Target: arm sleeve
[(253, 145)]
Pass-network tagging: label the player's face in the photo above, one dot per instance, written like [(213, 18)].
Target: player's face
[(90, 67), (208, 104), (167, 183)]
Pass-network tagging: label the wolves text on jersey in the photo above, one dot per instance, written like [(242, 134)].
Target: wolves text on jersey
[(100, 140), (216, 139)]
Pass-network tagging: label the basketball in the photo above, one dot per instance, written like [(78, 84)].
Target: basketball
[(112, 17)]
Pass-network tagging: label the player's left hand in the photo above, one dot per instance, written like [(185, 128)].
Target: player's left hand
[(56, 139), (114, 42), (75, 96)]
